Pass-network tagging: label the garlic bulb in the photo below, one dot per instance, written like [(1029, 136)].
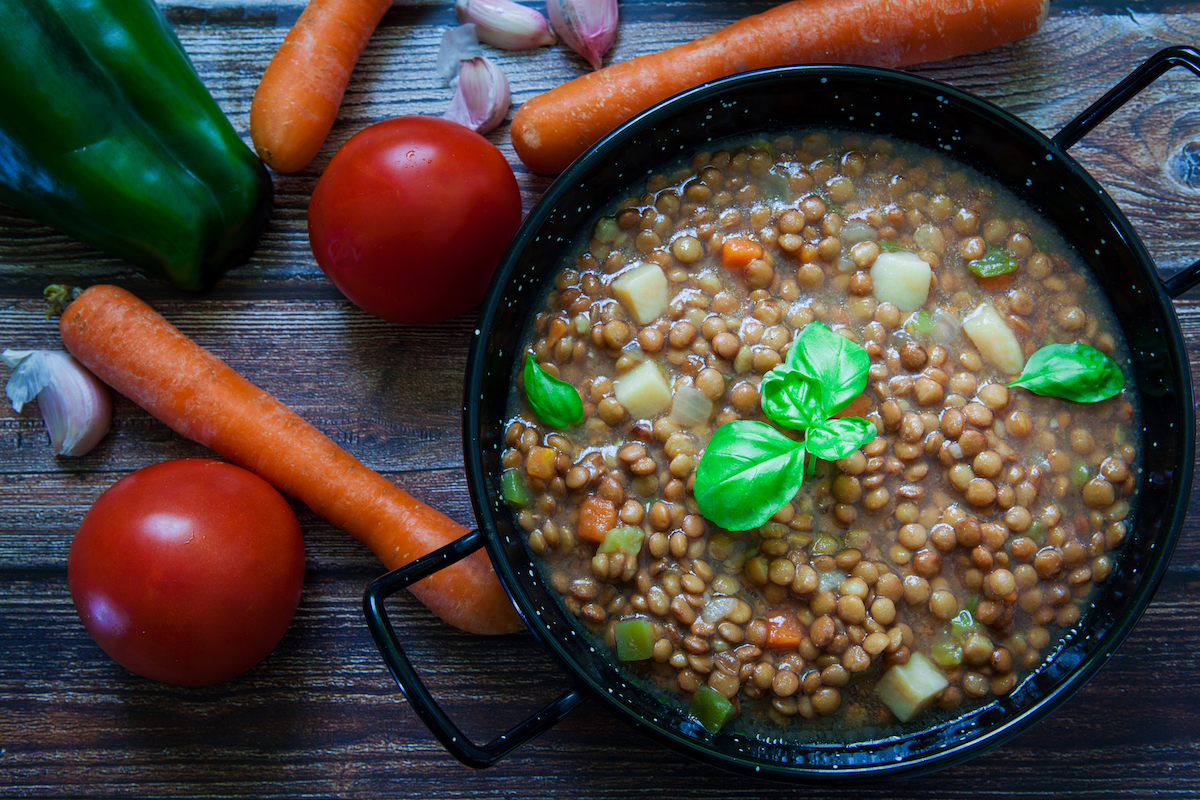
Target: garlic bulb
[(481, 97), (76, 406), (589, 27), (506, 24)]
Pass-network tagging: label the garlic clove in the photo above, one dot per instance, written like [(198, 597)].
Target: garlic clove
[(76, 406), (589, 27), (458, 44), (506, 24), (481, 97)]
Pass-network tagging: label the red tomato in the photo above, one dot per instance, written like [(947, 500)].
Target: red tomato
[(188, 571), (411, 217)]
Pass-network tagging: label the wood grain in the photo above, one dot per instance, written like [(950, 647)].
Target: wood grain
[(321, 717)]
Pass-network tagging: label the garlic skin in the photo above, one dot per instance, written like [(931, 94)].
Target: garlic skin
[(458, 44), (76, 406), (481, 96), (589, 27), (506, 24)]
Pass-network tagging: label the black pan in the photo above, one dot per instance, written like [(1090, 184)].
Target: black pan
[(900, 106)]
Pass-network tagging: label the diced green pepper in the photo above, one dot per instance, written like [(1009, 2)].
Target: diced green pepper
[(514, 490), (626, 539), (971, 602), (635, 639), (712, 709), (607, 230), (1080, 474), (920, 322), (963, 623), (995, 262), (947, 653)]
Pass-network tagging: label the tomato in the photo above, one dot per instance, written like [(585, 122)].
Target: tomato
[(188, 571), (411, 217)]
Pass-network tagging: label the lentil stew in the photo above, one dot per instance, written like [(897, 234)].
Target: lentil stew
[(932, 567), (874, 102)]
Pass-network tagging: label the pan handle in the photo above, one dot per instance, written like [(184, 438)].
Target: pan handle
[(1139, 79), (422, 702)]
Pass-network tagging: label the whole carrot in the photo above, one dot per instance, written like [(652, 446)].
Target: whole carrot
[(129, 346), (297, 100), (553, 129)]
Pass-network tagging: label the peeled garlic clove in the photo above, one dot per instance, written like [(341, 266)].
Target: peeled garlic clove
[(506, 24), (76, 406), (482, 96), (589, 27), (458, 44)]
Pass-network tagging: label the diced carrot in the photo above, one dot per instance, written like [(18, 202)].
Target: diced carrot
[(858, 407), (784, 631), (738, 251), (597, 516), (541, 462), (997, 283)]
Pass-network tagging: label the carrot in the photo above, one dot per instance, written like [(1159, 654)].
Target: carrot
[(542, 462), (784, 631), (552, 129), (858, 407), (134, 350), (737, 252), (297, 100), (996, 283), (597, 516)]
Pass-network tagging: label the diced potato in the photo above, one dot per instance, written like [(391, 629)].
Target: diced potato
[(642, 291), (994, 339), (908, 689), (643, 390), (901, 279)]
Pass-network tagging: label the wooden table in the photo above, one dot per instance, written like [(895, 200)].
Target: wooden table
[(321, 717)]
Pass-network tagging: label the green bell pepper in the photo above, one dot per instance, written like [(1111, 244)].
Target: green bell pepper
[(108, 135)]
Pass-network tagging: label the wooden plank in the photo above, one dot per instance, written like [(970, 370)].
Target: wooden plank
[(321, 716)]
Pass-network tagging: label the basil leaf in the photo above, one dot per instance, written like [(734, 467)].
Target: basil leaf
[(838, 438), (555, 402), (995, 261), (837, 363), (748, 471), (792, 399), (1076, 372)]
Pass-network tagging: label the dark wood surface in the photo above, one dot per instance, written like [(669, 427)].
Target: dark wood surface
[(321, 717)]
